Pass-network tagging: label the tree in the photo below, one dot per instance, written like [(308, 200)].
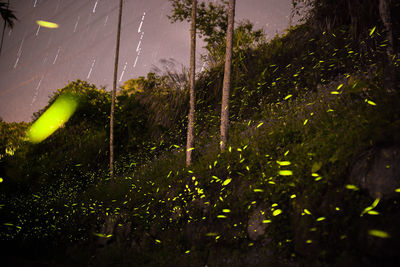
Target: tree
[(212, 24), (190, 135), (384, 11), (211, 19), (244, 39), (8, 17), (227, 77), (113, 95)]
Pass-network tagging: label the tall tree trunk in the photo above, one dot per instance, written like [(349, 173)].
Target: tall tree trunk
[(384, 11), (2, 36), (227, 77), (190, 134), (113, 95), (4, 29)]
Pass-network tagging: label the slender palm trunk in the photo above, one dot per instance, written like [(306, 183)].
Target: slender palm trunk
[(113, 95), (190, 134), (2, 37), (227, 77)]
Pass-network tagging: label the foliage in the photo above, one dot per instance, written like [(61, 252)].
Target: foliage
[(7, 14), (211, 19), (212, 23), (11, 137)]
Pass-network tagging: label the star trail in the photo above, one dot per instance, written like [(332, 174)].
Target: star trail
[(37, 60)]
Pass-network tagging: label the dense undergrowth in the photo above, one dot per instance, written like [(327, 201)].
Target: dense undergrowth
[(303, 108)]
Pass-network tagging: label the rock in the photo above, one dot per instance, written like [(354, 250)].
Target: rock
[(378, 172), (256, 227)]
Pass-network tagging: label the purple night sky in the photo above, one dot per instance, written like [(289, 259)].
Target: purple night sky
[(36, 61)]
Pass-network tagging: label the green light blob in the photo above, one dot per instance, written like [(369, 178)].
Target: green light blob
[(47, 24), (352, 187), (283, 163), (227, 181), (378, 233), (277, 212), (53, 118), (285, 172)]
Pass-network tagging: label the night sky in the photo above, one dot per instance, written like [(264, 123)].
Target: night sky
[(36, 61)]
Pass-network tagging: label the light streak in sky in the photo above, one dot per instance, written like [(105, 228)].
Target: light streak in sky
[(34, 4), (105, 22), (122, 74), (19, 53), (95, 5), (76, 24), (16, 62), (58, 52), (20, 47), (37, 90), (37, 32), (91, 68), (138, 47), (141, 23)]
